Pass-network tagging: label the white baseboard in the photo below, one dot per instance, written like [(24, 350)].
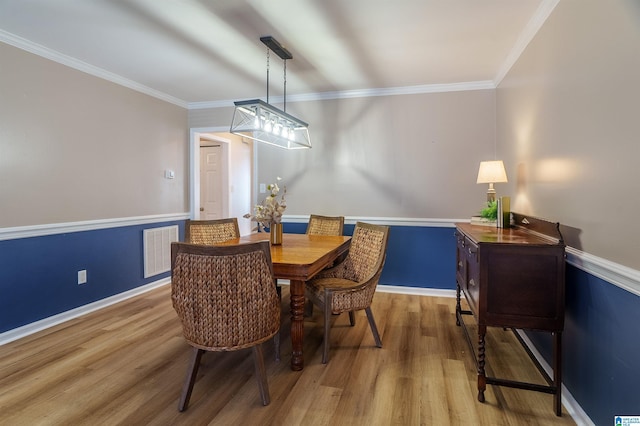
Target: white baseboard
[(399, 289), (34, 327), (416, 291), (573, 408)]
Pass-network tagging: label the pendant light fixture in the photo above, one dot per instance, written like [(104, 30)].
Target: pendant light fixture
[(265, 123)]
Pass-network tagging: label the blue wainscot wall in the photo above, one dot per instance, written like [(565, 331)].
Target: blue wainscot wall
[(38, 280), (601, 346), (39, 275), (417, 256)]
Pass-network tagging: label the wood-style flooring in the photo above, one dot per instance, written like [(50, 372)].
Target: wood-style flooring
[(125, 365)]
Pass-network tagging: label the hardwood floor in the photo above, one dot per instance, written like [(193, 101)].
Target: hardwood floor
[(125, 365)]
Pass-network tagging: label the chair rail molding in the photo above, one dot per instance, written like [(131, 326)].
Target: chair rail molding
[(619, 275), (89, 225)]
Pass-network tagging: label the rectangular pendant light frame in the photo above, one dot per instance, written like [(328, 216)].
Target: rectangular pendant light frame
[(265, 123)]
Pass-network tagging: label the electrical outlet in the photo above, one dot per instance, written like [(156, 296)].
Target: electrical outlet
[(263, 188), (82, 276)]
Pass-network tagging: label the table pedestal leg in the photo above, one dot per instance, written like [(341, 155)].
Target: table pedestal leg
[(296, 290)]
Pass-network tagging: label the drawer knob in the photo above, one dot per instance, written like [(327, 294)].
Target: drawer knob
[(472, 283)]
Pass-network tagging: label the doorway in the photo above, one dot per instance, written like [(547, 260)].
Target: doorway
[(229, 183), (211, 181)]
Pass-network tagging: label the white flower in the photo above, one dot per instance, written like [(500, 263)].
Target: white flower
[(271, 209)]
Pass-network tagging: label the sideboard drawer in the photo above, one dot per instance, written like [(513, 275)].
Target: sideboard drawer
[(471, 283), (461, 261)]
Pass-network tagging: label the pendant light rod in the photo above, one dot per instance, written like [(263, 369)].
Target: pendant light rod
[(276, 47), (262, 122)]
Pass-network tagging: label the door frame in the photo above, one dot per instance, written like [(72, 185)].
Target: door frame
[(195, 135)]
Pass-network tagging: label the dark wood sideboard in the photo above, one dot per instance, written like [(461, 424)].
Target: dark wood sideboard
[(513, 278)]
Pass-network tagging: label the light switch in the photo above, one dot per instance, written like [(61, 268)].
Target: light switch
[(169, 174)]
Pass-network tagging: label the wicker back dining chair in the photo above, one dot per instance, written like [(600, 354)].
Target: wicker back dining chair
[(350, 285), (209, 232), (325, 225), (226, 301)]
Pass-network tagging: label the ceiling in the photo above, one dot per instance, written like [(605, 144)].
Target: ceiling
[(192, 52)]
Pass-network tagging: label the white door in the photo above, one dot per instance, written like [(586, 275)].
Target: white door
[(211, 182)]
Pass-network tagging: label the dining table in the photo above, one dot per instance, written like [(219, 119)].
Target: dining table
[(298, 259)]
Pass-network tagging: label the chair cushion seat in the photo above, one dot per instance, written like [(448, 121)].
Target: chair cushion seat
[(318, 285), (347, 295)]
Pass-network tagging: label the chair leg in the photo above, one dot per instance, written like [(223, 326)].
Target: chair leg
[(327, 328), (261, 374), (276, 345), (278, 288), (308, 309), (374, 329), (352, 318), (191, 378)]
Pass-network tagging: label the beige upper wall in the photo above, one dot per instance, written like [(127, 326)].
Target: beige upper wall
[(409, 156), (567, 121), (74, 147)]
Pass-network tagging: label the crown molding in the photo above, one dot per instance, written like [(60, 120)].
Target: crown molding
[(527, 34), (530, 30), (360, 93), (42, 51), (45, 52)]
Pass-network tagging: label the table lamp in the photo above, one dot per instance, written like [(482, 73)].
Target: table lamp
[(491, 172)]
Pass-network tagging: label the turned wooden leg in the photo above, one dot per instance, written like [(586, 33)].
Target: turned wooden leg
[(458, 307), (296, 289), (482, 379)]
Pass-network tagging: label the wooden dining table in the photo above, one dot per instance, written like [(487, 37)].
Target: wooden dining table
[(298, 259)]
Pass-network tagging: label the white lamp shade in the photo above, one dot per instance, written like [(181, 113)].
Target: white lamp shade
[(492, 172)]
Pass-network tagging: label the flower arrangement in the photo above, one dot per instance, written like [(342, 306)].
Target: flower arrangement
[(271, 209)]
